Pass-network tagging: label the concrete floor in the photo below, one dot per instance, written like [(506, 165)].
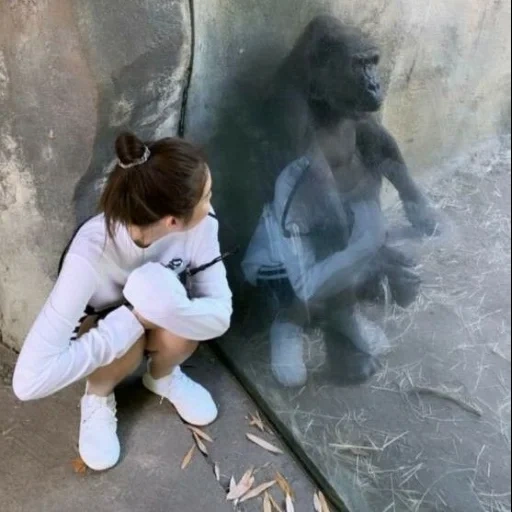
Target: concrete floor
[(38, 444)]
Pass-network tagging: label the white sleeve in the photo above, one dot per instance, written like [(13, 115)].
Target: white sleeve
[(50, 360), (158, 295)]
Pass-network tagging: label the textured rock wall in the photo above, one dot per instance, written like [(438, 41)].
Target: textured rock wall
[(73, 73)]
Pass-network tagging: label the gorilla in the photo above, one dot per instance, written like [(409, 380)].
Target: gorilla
[(321, 242)]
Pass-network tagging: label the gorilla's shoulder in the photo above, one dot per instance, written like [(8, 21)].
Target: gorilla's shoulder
[(375, 141)]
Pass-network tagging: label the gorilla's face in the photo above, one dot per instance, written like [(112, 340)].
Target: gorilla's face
[(344, 71), (368, 91)]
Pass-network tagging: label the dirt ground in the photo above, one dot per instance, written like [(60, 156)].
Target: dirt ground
[(431, 430)]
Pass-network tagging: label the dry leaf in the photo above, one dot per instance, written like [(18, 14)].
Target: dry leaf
[(284, 485), (217, 472), (200, 444), (188, 458), (267, 504), (256, 421), (289, 504), (317, 503), (232, 484), (257, 491), (248, 475), (323, 502), (264, 444), (200, 433), (243, 487), (79, 466), (275, 504)]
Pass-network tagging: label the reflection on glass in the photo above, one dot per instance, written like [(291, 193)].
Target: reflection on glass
[(394, 387)]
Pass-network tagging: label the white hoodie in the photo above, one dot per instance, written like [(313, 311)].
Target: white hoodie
[(99, 272)]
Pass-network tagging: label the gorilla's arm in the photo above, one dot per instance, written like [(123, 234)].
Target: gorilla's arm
[(315, 280), (381, 153)]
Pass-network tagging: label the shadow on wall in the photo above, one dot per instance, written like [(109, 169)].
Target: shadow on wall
[(264, 124), (313, 158)]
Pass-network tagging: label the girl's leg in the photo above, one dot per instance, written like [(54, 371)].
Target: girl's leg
[(98, 441), (165, 378), (167, 352), (103, 381)]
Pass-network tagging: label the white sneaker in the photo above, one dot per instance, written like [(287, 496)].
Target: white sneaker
[(193, 403), (287, 354), (99, 445)]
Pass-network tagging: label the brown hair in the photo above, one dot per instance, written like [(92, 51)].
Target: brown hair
[(153, 180)]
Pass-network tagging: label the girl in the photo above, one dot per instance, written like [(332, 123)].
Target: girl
[(124, 268)]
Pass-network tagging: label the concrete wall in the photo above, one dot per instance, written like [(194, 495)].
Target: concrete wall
[(75, 72)]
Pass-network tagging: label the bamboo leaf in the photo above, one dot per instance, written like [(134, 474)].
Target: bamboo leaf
[(243, 487), (200, 444), (275, 504), (188, 458), (257, 491), (323, 502), (200, 433), (256, 421), (264, 444), (317, 503), (284, 485), (267, 504)]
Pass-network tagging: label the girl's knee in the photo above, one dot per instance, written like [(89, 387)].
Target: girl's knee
[(106, 378), (160, 340)]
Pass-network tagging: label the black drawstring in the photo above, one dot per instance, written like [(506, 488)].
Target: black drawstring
[(183, 277), (222, 257)]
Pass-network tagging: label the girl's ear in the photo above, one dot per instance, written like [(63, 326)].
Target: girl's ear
[(172, 223)]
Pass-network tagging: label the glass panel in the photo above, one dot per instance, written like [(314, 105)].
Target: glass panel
[(375, 333)]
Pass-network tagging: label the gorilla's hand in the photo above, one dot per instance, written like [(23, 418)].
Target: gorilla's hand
[(399, 271), (404, 281), (423, 217)]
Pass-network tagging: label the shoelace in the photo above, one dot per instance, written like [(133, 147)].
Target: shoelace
[(112, 417), (180, 381), (177, 381)]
